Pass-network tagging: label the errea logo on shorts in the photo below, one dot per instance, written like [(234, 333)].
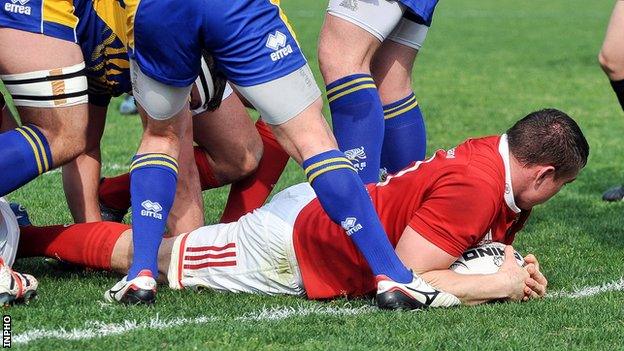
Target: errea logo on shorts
[(351, 225), (17, 6), (151, 209), (277, 43)]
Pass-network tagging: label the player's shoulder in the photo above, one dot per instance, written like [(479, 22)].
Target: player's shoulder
[(475, 163)]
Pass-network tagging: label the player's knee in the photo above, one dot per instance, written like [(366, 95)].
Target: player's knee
[(612, 64), (249, 162), (65, 143), (240, 164), (334, 62), (160, 101)]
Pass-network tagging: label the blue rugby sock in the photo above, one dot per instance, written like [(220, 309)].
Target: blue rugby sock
[(24, 154), (357, 118), (153, 180), (345, 200), (405, 138)]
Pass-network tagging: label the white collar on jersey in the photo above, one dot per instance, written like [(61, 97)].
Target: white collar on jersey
[(503, 150)]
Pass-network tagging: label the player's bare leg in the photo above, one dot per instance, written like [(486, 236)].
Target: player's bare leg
[(232, 145), (81, 177), (121, 257), (392, 68), (187, 212), (611, 60), (59, 133), (611, 55), (316, 139), (345, 53), (405, 139), (8, 122), (339, 53)]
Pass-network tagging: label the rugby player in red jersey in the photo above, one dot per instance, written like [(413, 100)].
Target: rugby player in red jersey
[(482, 190)]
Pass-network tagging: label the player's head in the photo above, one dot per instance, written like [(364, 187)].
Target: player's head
[(552, 150)]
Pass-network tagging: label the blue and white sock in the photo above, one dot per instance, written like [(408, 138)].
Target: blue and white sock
[(24, 155), (346, 201), (357, 119), (405, 139), (153, 181)]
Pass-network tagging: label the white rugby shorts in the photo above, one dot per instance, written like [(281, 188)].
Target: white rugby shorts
[(383, 19), (253, 255)]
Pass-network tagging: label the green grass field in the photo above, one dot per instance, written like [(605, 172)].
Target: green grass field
[(485, 64)]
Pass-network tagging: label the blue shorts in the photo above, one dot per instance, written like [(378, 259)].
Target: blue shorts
[(250, 40), (54, 18), (420, 11)]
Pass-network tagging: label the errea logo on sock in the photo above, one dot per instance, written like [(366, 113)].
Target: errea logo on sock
[(351, 225), (17, 6), (277, 43), (151, 209)]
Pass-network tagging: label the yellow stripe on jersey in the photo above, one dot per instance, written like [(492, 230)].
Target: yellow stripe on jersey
[(44, 156), (34, 148), (285, 19), (60, 11), (330, 168), (131, 8), (111, 12)]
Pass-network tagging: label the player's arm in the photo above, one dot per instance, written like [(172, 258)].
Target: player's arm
[(432, 264)]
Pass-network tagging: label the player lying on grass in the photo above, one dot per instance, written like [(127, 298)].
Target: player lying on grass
[(482, 190)]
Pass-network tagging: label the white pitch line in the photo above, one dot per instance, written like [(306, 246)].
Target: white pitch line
[(106, 166), (615, 285), (279, 313), (96, 329)]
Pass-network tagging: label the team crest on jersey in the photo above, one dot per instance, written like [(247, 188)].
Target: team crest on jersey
[(277, 42), (357, 157), (450, 153), (350, 4), (151, 209), (351, 225), (18, 6)]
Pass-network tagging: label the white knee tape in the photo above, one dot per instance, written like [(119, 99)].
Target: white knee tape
[(409, 33), (59, 87), (281, 99), (159, 100)]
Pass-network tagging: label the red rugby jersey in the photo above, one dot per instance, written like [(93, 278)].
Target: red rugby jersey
[(456, 199)]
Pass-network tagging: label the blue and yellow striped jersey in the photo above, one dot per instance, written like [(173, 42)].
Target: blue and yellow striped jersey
[(102, 37)]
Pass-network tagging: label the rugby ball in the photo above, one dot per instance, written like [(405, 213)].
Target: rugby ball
[(484, 259)]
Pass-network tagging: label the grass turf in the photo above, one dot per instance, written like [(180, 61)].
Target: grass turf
[(484, 65)]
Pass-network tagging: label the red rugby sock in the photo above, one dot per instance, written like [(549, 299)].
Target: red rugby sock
[(251, 192), (115, 192), (206, 174), (85, 244)]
